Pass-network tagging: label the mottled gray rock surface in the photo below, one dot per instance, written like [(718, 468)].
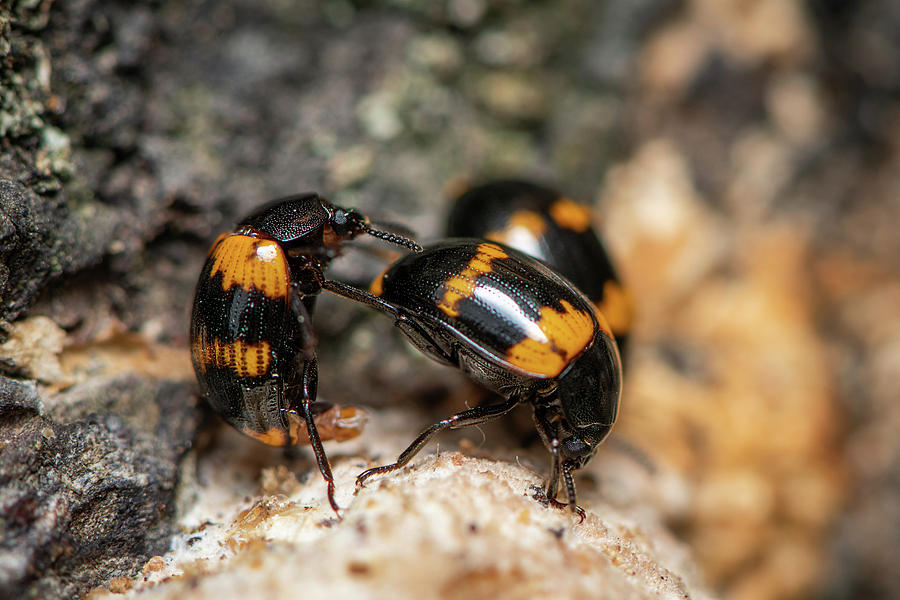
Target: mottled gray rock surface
[(87, 484)]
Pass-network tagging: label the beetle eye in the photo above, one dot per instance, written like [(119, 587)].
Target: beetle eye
[(339, 222), (575, 447), (346, 223)]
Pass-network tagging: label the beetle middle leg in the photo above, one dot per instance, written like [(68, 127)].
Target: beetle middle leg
[(305, 407), (319, 451), (301, 306), (472, 416)]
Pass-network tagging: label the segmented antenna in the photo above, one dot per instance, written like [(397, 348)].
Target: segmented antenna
[(394, 239), (393, 227)]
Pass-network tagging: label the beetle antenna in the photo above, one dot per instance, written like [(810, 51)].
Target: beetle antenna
[(394, 227), (393, 238)]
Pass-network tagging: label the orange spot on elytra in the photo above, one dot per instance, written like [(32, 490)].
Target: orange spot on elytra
[(569, 214), (604, 324), (250, 263), (463, 285), (377, 285), (566, 334), (616, 307), (526, 221), (245, 360)]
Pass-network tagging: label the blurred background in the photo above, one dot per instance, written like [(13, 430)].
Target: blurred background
[(743, 158)]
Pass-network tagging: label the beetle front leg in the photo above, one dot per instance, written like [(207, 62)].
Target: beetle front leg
[(552, 487), (567, 468), (547, 435), (557, 466)]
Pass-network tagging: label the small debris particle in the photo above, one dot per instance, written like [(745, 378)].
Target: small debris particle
[(120, 585), (154, 564)]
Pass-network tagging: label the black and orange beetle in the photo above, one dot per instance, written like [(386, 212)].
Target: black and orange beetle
[(547, 225), (515, 326), (252, 342)]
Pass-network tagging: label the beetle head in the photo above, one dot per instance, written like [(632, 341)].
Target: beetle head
[(588, 400)]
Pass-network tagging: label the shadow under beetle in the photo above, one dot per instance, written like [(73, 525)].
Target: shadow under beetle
[(515, 326), (252, 342), (553, 228)]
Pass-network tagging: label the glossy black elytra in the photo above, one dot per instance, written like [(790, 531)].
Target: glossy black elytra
[(519, 329), (545, 224), (252, 342)]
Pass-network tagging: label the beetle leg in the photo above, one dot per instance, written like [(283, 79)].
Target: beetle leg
[(416, 334), (473, 416), (545, 430), (557, 466), (567, 468), (353, 293), (306, 406), (301, 307), (319, 451), (552, 488), (552, 444)]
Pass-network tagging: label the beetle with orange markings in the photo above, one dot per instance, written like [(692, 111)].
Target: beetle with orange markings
[(547, 225), (252, 342), (506, 319), (516, 327)]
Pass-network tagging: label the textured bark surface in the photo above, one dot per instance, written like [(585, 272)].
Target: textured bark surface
[(87, 485)]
